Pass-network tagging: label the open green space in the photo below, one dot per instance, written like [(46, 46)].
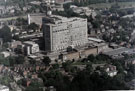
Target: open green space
[(108, 5)]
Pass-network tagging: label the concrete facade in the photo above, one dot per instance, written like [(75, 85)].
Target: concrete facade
[(61, 32), (31, 47), (74, 55), (86, 52), (71, 56), (5, 54), (4, 88)]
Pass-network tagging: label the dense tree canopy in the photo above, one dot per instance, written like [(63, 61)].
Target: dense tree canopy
[(33, 26), (82, 81), (6, 34)]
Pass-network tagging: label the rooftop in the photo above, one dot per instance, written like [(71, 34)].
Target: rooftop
[(2, 87), (35, 2), (55, 19), (95, 39), (30, 43)]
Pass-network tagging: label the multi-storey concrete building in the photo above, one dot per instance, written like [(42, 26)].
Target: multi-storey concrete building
[(61, 32), (30, 47)]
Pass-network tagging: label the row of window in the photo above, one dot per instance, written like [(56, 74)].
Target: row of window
[(60, 48), (67, 29), (64, 46), (59, 30)]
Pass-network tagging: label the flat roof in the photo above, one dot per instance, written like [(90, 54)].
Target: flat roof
[(30, 43), (2, 87), (35, 2), (95, 39), (61, 19), (129, 16)]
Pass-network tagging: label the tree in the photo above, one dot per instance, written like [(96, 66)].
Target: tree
[(84, 81), (56, 79), (4, 61), (81, 82), (21, 21), (69, 49), (15, 60), (132, 69), (119, 66), (6, 34), (20, 59), (89, 68), (96, 24), (35, 86), (129, 76), (55, 66), (12, 60), (98, 68), (33, 26), (67, 66), (6, 80), (46, 60), (91, 58), (120, 77)]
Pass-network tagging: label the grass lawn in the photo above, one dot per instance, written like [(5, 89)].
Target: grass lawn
[(12, 18), (108, 5), (80, 63), (86, 63)]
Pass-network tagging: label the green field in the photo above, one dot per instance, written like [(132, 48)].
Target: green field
[(12, 18), (108, 5)]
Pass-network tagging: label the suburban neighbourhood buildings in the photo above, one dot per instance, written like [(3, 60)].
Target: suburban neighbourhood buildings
[(45, 41)]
